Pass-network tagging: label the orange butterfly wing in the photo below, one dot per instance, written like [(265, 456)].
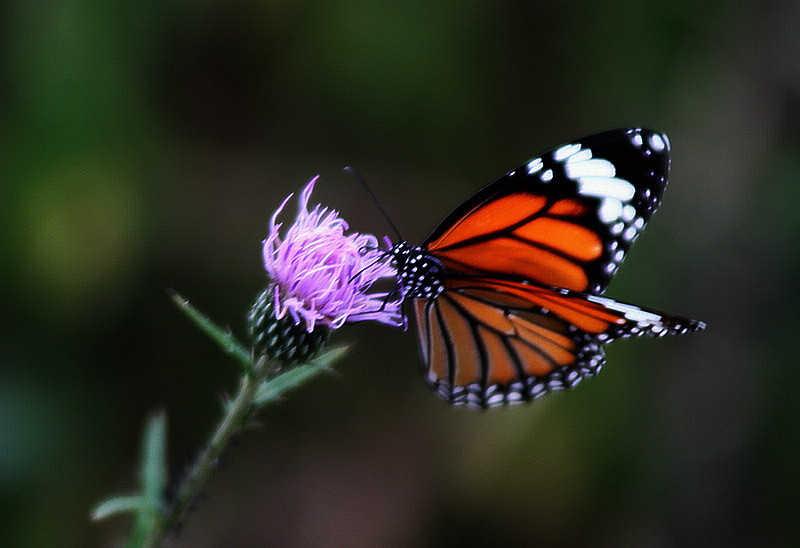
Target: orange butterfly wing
[(506, 288), (565, 219), (523, 235), (485, 341)]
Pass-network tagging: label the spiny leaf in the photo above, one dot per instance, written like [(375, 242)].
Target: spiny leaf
[(148, 505), (153, 470), (153, 480), (273, 388), (223, 337), (132, 503)]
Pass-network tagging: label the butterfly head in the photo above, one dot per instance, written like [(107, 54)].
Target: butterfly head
[(418, 273)]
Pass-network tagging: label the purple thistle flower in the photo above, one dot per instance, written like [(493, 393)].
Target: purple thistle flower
[(320, 275)]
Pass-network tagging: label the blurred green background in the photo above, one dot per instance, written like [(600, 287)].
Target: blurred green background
[(145, 144)]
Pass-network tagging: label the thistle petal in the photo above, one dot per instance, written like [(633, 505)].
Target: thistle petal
[(321, 275)]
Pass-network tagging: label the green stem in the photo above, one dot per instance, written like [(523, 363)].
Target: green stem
[(154, 517), (236, 411)]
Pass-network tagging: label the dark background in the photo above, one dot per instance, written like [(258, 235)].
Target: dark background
[(144, 146)]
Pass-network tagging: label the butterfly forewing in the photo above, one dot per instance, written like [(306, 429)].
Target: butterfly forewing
[(565, 219)]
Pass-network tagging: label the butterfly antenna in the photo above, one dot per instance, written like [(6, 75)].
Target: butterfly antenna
[(366, 187)]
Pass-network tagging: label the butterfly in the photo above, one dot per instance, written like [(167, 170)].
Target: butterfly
[(507, 290)]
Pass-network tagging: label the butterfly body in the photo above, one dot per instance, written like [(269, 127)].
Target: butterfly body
[(507, 289), (420, 274)]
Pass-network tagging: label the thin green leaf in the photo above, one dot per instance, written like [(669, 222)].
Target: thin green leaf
[(132, 503), (153, 479), (153, 471), (223, 337), (149, 504), (276, 386)]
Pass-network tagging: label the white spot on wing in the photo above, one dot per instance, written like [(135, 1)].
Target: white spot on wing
[(631, 312), (610, 187), (535, 165), (582, 156), (610, 210), (566, 151), (628, 212), (547, 176), (657, 142), (589, 168), (495, 399)]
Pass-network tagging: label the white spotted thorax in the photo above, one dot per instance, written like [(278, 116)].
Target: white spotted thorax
[(417, 272)]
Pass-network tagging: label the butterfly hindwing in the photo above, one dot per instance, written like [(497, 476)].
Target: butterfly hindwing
[(565, 219), (489, 342)]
